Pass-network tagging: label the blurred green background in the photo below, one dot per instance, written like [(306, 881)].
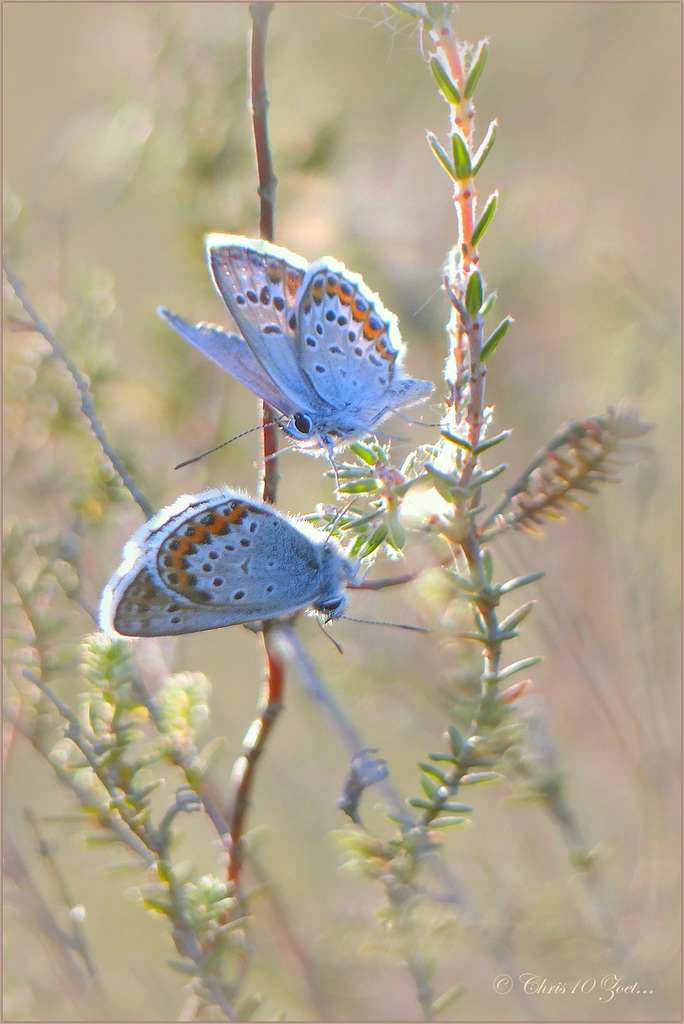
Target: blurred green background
[(126, 137)]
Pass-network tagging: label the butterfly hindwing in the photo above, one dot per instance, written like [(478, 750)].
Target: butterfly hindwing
[(143, 609), (347, 343)]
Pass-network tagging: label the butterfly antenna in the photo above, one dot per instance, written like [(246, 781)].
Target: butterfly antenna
[(384, 436), (196, 458), (397, 625), (391, 581)]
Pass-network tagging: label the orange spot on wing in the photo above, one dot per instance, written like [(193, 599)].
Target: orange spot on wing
[(317, 290), (371, 331), (360, 310), (275, 273), (384, 349), (236, 515), (293, 279), (196, 532), (345, 292)]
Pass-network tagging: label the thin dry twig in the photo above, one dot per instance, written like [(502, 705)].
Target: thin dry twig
[(77, 940), (260, 13), (186, 758), (68, 954)]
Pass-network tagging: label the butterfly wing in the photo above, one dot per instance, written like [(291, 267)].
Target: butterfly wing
[(210, 560), (259, 284), (136, 606), (231, 353), (349, 346)]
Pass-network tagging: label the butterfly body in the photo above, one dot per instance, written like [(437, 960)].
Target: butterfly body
[(221, 558), (314, 342)]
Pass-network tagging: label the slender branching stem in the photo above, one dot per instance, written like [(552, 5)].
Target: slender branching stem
[(77, 939), (107, 818), (65, 945), (485, 603), (445, 40), (424, 990), (187, 759), (87, 406), (354, 741), (74, 733)]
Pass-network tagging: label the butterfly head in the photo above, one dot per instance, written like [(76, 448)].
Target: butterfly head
[(332, 607), (337, 571), (307, 436), (315, 437), (300, 426)]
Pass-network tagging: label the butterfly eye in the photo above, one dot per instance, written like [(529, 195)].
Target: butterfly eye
[(331, 606), (302, 423)]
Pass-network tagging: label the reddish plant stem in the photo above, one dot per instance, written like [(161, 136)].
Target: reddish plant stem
[(466, 373), (475, 417), (260, 13), (270, 475), (462, 118), (270, 702), (472, 552), (270, 705)]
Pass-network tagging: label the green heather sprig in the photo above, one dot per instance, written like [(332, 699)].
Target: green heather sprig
[(447, 492)]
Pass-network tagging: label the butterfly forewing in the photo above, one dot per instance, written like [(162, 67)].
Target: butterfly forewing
[(259, 283), (237, 555)]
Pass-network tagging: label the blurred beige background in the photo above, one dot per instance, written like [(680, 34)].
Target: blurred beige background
[(126, 137)]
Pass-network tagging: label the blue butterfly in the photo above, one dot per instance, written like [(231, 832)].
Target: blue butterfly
[(217, 559), (314, 342)]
